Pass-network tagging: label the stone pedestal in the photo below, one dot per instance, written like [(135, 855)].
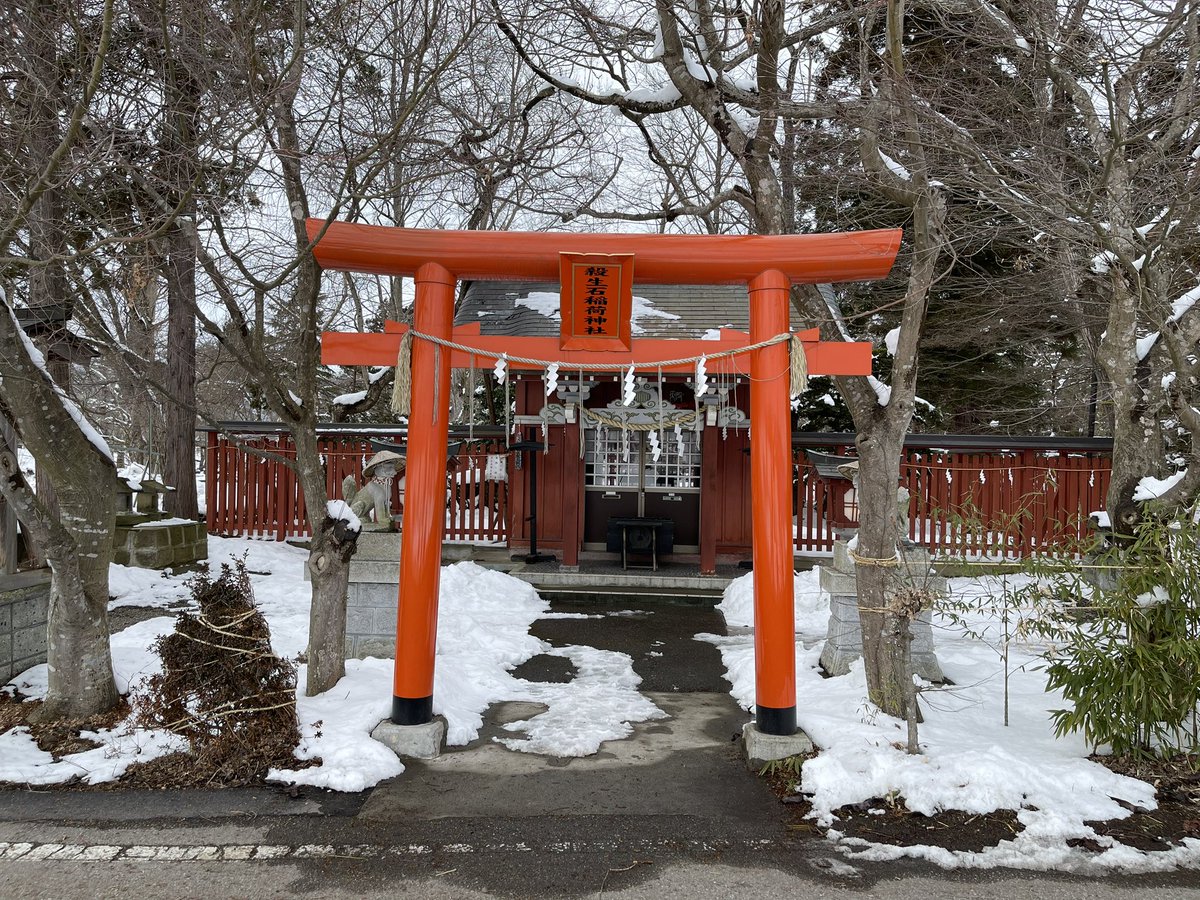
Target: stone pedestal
[(843, 644), (413, 741), (761, 748), (371, 598), (24, 607), (148, 543)]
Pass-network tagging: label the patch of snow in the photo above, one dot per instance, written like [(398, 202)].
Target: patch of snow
[(1102, 262), (546, 303), (130, 586), (882, 391), (970, 760), (810, 603), (1182, 306), (26, 463), (162, 523), (666, 93), (645, 309), (336, 726), (350, 399), (1156, 596), (599, 704), (340, 509), (377, 374), (891, 340), (295, 397), (35, 356), (1150, 488), (1101, 518), (1146, 344), (895, 168), (133, 475)]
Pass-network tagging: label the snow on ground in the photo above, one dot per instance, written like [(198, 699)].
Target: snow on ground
[(970, 760), (22, 761), (483, 633), (811, 603)]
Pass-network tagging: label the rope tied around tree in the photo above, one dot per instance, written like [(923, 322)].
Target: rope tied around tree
[(875, 561)]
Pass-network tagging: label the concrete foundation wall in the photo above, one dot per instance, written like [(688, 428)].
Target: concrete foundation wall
[(23, 612), (160, 546)]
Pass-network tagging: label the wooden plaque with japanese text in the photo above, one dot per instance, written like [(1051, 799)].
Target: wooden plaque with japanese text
[(597, 301)]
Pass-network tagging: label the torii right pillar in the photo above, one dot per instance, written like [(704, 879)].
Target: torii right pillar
[(771, 490)]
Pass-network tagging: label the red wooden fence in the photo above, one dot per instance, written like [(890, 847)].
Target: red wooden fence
[(990, 502), (259, 496)]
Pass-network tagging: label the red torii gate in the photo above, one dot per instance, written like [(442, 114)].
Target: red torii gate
[(768, 264)]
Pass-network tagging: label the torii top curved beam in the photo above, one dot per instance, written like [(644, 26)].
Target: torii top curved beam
[(661, 258)]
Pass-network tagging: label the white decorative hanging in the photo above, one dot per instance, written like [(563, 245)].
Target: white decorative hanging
[(701, 376), (679, 438), (629, 395), (551, 378), (655, 447), (501, 370)]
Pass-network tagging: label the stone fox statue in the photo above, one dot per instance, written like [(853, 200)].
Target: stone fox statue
[(373, 499)]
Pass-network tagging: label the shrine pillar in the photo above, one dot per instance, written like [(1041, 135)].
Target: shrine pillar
[(771, 488), (425, 499)]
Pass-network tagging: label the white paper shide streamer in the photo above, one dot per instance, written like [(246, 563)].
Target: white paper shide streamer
[(501, 370), (630, 391), (655, 447), (701, 376), (551, 378)]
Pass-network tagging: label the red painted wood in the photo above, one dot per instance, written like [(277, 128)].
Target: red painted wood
[(660, 258), (711, 500), (260, 497), (362, 349)]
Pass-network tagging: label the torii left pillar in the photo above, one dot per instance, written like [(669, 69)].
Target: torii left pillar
[(424, 514)]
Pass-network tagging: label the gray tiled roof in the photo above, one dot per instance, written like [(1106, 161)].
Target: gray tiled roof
[(698, 307)]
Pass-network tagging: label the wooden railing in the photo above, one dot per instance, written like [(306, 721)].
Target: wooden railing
[(1018, 497), (252, 495), (1002, 502)]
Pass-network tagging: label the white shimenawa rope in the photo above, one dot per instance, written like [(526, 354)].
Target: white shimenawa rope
[(598, 367), (402, 387)]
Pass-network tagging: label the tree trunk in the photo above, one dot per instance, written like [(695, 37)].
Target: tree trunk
[(183, 93), (9, 552), (884, 634), (179, 462), (329, 568), (79, 546), (329, 556), (1137, 436)]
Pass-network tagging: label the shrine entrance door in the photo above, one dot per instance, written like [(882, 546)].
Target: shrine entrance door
[(642, 461)]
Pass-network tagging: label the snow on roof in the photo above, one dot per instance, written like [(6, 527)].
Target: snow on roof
[(659, 310)]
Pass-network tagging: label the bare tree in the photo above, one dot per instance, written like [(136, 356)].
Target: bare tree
[(44, 128)]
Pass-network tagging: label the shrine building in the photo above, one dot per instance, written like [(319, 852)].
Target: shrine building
[(679, 465)]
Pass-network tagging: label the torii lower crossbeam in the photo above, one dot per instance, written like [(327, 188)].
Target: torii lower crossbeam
[(768, 265)]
